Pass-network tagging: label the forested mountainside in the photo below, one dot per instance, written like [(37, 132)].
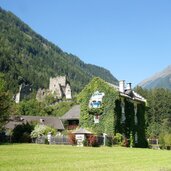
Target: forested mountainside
[(159, 80), (26, 56)]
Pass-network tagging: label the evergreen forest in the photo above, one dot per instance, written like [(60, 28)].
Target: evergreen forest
[(158, 113), (27, 57)]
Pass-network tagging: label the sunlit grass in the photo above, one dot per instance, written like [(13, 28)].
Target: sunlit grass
[(21, 157)]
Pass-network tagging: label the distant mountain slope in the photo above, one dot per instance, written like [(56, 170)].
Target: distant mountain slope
[(159, 80), (27, 57)]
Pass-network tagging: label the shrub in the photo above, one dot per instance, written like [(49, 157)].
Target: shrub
[(109, 141), (72, 139), (161, 140), (131, 140), (21, 133), (125, 142), (46, 141), (92, 141), (167, 140), (85, 142), (118, 138), (26, 137), (40, 130)]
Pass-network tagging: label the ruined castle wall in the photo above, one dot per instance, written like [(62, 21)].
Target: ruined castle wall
[(24, 91), (61, 80), (58, 87), (68, 92)]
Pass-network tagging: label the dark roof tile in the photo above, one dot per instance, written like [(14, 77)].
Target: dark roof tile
[(73, 113), (54, 122)]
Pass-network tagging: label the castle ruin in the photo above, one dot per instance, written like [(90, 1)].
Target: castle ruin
[(23, 93), (59, 87)]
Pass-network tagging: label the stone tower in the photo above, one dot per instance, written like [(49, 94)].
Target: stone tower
[(60, 87)]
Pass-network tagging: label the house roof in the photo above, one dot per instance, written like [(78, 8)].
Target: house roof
[(73, 113), (128, 93), (49, 121), (81, 131), (12, 124)]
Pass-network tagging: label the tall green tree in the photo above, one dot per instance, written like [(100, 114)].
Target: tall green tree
[(5, 103), (158, 113)]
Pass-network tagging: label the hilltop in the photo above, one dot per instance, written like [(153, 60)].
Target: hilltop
[(27, 57)]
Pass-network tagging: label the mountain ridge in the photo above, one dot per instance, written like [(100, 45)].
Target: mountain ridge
[(160, 79), (26, 56)]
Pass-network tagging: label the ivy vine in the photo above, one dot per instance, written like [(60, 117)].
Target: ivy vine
[(110, 113), (106, 111)]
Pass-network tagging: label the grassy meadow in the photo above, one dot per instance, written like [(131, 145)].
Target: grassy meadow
[(34, 157)]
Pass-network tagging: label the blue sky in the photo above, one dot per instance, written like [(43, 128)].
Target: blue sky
[(131, 38)]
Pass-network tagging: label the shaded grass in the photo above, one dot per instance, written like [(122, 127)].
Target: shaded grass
[(34, 157)]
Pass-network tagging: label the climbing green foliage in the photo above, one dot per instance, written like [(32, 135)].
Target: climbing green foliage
[(94, 111), (111, 118), (118, 123), (140, 127), (107, 112), (129, 122), (131, 140)]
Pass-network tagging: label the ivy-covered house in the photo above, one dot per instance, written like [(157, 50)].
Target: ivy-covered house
[(111, 109)]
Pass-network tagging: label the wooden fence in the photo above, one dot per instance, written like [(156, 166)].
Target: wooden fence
[(60, 139)]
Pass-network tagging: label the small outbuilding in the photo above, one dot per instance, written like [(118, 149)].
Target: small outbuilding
[(80, 135)]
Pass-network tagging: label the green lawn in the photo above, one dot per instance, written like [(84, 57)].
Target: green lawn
[(23, 157)]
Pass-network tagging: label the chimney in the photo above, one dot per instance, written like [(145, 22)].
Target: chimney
[(122, 86), (128, 86), (42, 121)]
